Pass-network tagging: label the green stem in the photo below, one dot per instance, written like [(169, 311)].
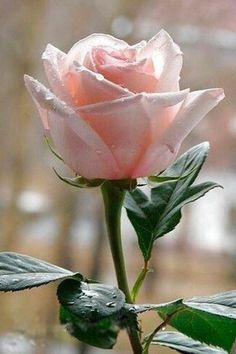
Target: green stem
[(157, 329), (113, 197), (139, 281)]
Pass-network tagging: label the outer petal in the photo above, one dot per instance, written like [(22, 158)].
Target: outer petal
[(81, 148), (162, 152), (196, 105), (87, 87), (126, 125), (162, 109), (80, 49), (167, 59), (54, 60)]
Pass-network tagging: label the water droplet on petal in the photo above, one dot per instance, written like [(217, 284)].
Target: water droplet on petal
[(143, 43), (98, 152), (99, 77), (49, 96)]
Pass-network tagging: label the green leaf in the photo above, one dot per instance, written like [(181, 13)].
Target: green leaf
[(90, 301), (169, 307), (80, 182), (188, 163), (93, 313), (211, 319), (184, 344), (154, 216), (162, 177), (19, 272), (101, 334)]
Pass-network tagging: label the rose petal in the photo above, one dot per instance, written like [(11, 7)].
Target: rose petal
[(53, 60), (125, 128), (126, 124), (129, 77), (157, 158), (73, 138), (87, 87), (162, 109), (81, 48), (196, 105), (162, 152), (167, 60)]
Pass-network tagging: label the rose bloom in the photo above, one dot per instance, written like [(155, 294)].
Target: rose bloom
[(116, 111)]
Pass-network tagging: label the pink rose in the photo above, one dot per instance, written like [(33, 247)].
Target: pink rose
[(116, 111)]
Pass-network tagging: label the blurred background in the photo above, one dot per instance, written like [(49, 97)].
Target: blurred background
[(45, 218)]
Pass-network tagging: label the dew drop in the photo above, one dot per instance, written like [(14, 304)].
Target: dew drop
[(99, 77), (143, 43), (131, 309), (111, 304), (49, 97), (70, 303), (98, 152), (88, 306), (45, 55), (163, 328)]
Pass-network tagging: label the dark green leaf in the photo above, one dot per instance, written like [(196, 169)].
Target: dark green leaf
[(162, 178), (184, 344), (171, 213), (211, 320), (169, 307), (227, 299), (19, 272), (90, 301), (154, 216), (93, 313), (101, 334), (188, 163)]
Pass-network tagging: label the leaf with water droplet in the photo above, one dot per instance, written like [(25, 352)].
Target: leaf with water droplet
[(19, 272), (101, 334), (80, 298), (90, 312), (208, 319)]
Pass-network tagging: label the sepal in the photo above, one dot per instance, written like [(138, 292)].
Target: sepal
[(80, 182)]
